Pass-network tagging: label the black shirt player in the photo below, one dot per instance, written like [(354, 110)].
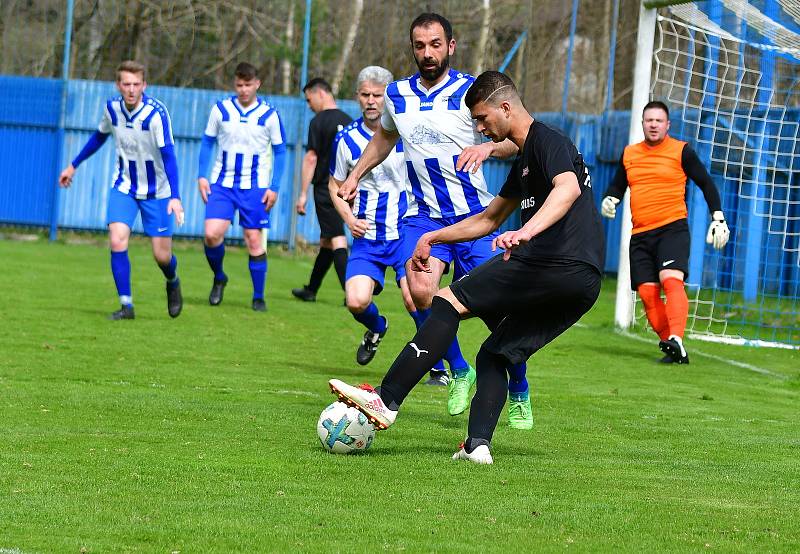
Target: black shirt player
[(547, 278)]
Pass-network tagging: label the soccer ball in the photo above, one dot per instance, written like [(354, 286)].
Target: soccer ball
[(344, 430)]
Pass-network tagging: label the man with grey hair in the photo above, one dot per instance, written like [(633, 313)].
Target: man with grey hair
[(376, 216)]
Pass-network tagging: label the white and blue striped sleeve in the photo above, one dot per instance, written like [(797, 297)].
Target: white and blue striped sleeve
[(161, 127), (387, 119), (340, 166), (214, 120), (274, 128), (107, 120)]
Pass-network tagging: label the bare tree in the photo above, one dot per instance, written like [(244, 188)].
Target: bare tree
[(480, 50), (347, 47)]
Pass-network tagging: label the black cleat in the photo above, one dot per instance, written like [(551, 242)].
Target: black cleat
[(217, 290), (259, 305), (673, 347), (174, 299), (369, 345), (305, 294), (125, 312), (667, 359), (438, 379)]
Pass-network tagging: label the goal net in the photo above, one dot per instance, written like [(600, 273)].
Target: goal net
[(731, 75)]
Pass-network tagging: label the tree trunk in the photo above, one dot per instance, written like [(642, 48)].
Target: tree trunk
[(483, 39), (286, 62), (347, 47)]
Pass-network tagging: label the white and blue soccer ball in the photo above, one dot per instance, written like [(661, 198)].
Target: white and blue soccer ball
[(344, 430)]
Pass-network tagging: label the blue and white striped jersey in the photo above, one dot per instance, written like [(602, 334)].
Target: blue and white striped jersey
[(382, 197), (139, 135), (435, 126), (244, 140)]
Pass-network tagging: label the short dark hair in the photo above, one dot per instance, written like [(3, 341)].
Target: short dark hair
[(486, 85), (246, 71), (318, 83), (425, 19), (656, 104)]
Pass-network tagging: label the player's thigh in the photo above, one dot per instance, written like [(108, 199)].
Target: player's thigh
[(221, 203), (471, 254), (121, 209), (358, 291), (252, 213), (156, 219), (642, 256), (672, 248), (424, 285), (408, 302), (416, 226), (367, 259)]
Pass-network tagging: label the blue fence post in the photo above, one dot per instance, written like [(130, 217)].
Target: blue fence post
[(510, 55), (62, 118), (568, 69)]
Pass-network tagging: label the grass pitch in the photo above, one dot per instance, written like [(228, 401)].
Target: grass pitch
[(198, 434)]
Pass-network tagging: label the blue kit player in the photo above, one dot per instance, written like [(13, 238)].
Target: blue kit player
[(146, 182), (375, 220), (443, 152), (252, 146)]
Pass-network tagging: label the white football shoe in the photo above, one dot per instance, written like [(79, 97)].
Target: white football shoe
[(365, 400), (480, 455)]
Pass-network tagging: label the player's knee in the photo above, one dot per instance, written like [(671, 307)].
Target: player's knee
[(118, 243), (357, 303)]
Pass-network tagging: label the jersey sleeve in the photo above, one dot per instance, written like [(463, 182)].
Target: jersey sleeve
[(161, 128), (554, 156), (696, 171), (620, 181), (387, 117), (214, 120), (275, 130), (105, 121), (314, 136), (512, 188), (340, 159)]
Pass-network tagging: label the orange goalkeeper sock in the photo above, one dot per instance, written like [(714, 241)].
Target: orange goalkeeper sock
[(654, 308), (677, 305)]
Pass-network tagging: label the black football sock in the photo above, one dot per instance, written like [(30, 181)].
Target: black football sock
[(491, 389), (340, 264), (421, 353), (321, 266)]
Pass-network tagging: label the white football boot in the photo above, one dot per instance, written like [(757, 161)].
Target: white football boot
[(365, 400), (480, 455)]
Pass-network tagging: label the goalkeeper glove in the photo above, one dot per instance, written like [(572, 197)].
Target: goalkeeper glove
[(718, 232), (608, 208)]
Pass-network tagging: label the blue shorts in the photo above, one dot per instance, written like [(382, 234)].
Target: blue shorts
[(155, 219), (372, 257), (223, 202), (465, 256)]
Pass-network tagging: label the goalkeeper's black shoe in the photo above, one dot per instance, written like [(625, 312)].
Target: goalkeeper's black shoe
[(673, 347), (217, 290), (125, 312), (667, 359), (174, 298), (259, 305)]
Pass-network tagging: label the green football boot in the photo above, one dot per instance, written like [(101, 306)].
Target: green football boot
[(520, 414), (458, 391)]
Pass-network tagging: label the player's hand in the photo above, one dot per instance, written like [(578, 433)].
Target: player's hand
[(347, 191), (175, 207), (422, 253), (269, 199), (510, 240), (472, 157), (608, 208), (65, 179), (358, 227), (301, 204), (205, 188), (718, 232)]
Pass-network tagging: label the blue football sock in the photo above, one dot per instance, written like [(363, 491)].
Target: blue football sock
[(214, 255), (372, 319), (121, 270), (458, 365), (517, 383), (258, 274), (170, 270), (419, 318)]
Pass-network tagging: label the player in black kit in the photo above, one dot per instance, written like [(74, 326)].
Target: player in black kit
[(546, 279)]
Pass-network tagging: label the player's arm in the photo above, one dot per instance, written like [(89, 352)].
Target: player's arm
[(161, 129), (306, 174), (472, 157), (203, 164), (615, 192), (378, 149), (471, 228), (94, 143), (278, 144), (718, 232), (358, 227), (566, 190)]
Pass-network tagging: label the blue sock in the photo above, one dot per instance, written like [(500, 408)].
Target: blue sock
[(419, 318), (372, 319), (121, 270), (258, 274), (458, 365), (214, 255), (517, 383), (170, 270)]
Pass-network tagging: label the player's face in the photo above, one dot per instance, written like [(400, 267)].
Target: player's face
[(314, 99), (493, 122), (370, 98), (432, 51), (246, 90), (131, 86), (655, 125)]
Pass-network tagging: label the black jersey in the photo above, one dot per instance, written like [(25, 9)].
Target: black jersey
[(579, 234), (321, 132)]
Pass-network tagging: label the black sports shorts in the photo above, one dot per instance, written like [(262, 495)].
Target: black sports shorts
[(526, 303), (665, 247), (331, 223)]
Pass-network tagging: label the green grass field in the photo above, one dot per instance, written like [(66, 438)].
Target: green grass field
[(198, 434)]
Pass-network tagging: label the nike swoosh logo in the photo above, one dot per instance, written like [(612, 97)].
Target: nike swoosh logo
[(162, 229), (667, 263)]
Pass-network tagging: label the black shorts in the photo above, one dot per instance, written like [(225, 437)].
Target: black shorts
[(665, 247), (331, 223), (527, 303)]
